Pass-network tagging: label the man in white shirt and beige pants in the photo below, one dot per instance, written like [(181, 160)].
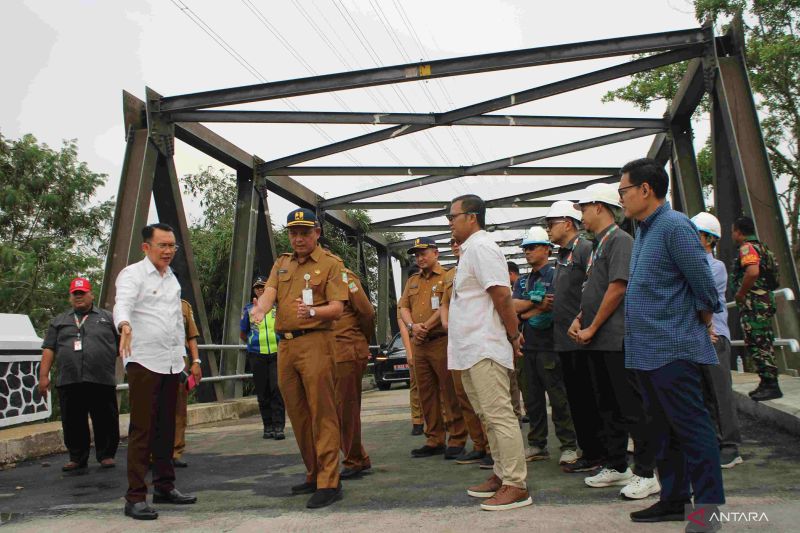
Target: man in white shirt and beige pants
[(484, 338), (147, 313)]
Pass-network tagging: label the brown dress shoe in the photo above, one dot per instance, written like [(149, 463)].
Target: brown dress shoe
[(507, 498), (487, 488)]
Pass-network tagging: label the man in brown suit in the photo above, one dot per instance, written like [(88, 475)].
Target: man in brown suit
[(352, 330)]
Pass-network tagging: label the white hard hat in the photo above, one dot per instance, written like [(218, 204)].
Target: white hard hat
[(606, 193), (563, 209), (707, 223), (536, 235)]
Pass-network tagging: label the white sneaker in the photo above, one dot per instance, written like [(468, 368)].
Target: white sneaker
[(568, 457), (608, 477), (534, 453), (631, 446), (639, 488)]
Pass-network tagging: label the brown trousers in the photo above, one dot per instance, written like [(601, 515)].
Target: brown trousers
[(305, 377), (180, 421), (348, 407), (413, 397), (152, 430), (473, 423), (436, 390)]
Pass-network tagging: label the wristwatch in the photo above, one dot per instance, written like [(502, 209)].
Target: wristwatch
[(197, 361), (409, 327), (514, 338), (312, 312)]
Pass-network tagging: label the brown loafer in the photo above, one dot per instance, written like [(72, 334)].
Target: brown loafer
[(73, 466), (487, 489), (507, 498), (108, 463)]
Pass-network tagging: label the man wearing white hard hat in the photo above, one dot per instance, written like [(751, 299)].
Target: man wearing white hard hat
[(533, 302), (600, 329), (574, 251), (717, 378)]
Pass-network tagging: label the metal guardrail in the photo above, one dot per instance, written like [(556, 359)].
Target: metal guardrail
[(786, 293), (215, 379)]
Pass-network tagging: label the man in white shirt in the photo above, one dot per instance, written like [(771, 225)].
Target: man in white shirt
[(484, 338), (147, 313)]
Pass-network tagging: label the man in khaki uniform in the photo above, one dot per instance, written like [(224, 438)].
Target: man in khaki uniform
[(473, 423), (352, 331), (192, 334), (413, 391), (419, 308), (310, 292)]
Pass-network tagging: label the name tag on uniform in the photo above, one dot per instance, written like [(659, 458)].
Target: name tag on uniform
[(77, 345), (434, 302), (308, 297)]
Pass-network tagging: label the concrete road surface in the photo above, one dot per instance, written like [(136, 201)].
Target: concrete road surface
[(242, 483)]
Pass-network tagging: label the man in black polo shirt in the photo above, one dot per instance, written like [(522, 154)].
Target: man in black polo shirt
[(600, 329), (83, 342), (574, 251)]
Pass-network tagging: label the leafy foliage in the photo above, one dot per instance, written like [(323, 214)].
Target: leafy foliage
[(50, 229)]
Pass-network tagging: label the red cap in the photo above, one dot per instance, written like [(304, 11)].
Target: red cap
[(80, 284)]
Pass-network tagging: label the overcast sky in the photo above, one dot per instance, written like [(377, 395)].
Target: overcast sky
[(67, 62)]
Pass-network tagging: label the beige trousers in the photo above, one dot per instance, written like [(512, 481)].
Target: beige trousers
[(487, 386)]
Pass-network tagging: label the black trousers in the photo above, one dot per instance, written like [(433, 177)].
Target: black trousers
[(78, 402), (265, 379), (686, 443), (619, 399), (583, 404)]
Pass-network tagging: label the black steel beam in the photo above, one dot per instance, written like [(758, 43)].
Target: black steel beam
[(480, 108), (426, 205), (489, 227), (437, 69), (536, 155), (378, 118), (438, 171)]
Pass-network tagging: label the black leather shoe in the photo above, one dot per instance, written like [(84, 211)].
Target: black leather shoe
[(352, 473), (770, 391), (304, 488), (452, 452), (661, 512), (417, 429), (140, 511), (279, 435), (487, 463), (428, 451), (324, 497), (177, 463), (468, 458), (268, 434), (174, 496)]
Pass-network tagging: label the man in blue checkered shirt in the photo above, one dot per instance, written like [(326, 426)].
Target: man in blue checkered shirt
[(669, 303)]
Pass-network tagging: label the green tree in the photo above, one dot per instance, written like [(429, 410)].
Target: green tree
[(51, 227), (772, 31)]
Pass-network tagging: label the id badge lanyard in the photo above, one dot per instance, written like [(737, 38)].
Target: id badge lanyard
[(78, 344)]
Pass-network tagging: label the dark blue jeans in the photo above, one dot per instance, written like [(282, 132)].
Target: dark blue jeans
[(683, 434)]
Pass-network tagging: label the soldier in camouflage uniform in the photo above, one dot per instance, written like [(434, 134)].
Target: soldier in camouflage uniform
[(756, 304)]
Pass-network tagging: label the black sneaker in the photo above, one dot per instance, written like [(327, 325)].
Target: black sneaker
[(582, 465), (268, 434), (487, 463), (324, 497), (417, 429), (468, 458), (661, 512), (452, 452), (428, 451), (279, 435), (304, 488)]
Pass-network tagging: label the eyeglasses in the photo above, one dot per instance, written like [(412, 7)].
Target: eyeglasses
[(166, 246), (551, 223), (451, 217), (621, 190)]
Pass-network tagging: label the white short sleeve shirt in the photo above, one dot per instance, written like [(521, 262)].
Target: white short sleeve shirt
[(475, 330)]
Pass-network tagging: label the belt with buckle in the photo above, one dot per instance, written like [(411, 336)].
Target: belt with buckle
[(296, 333)]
